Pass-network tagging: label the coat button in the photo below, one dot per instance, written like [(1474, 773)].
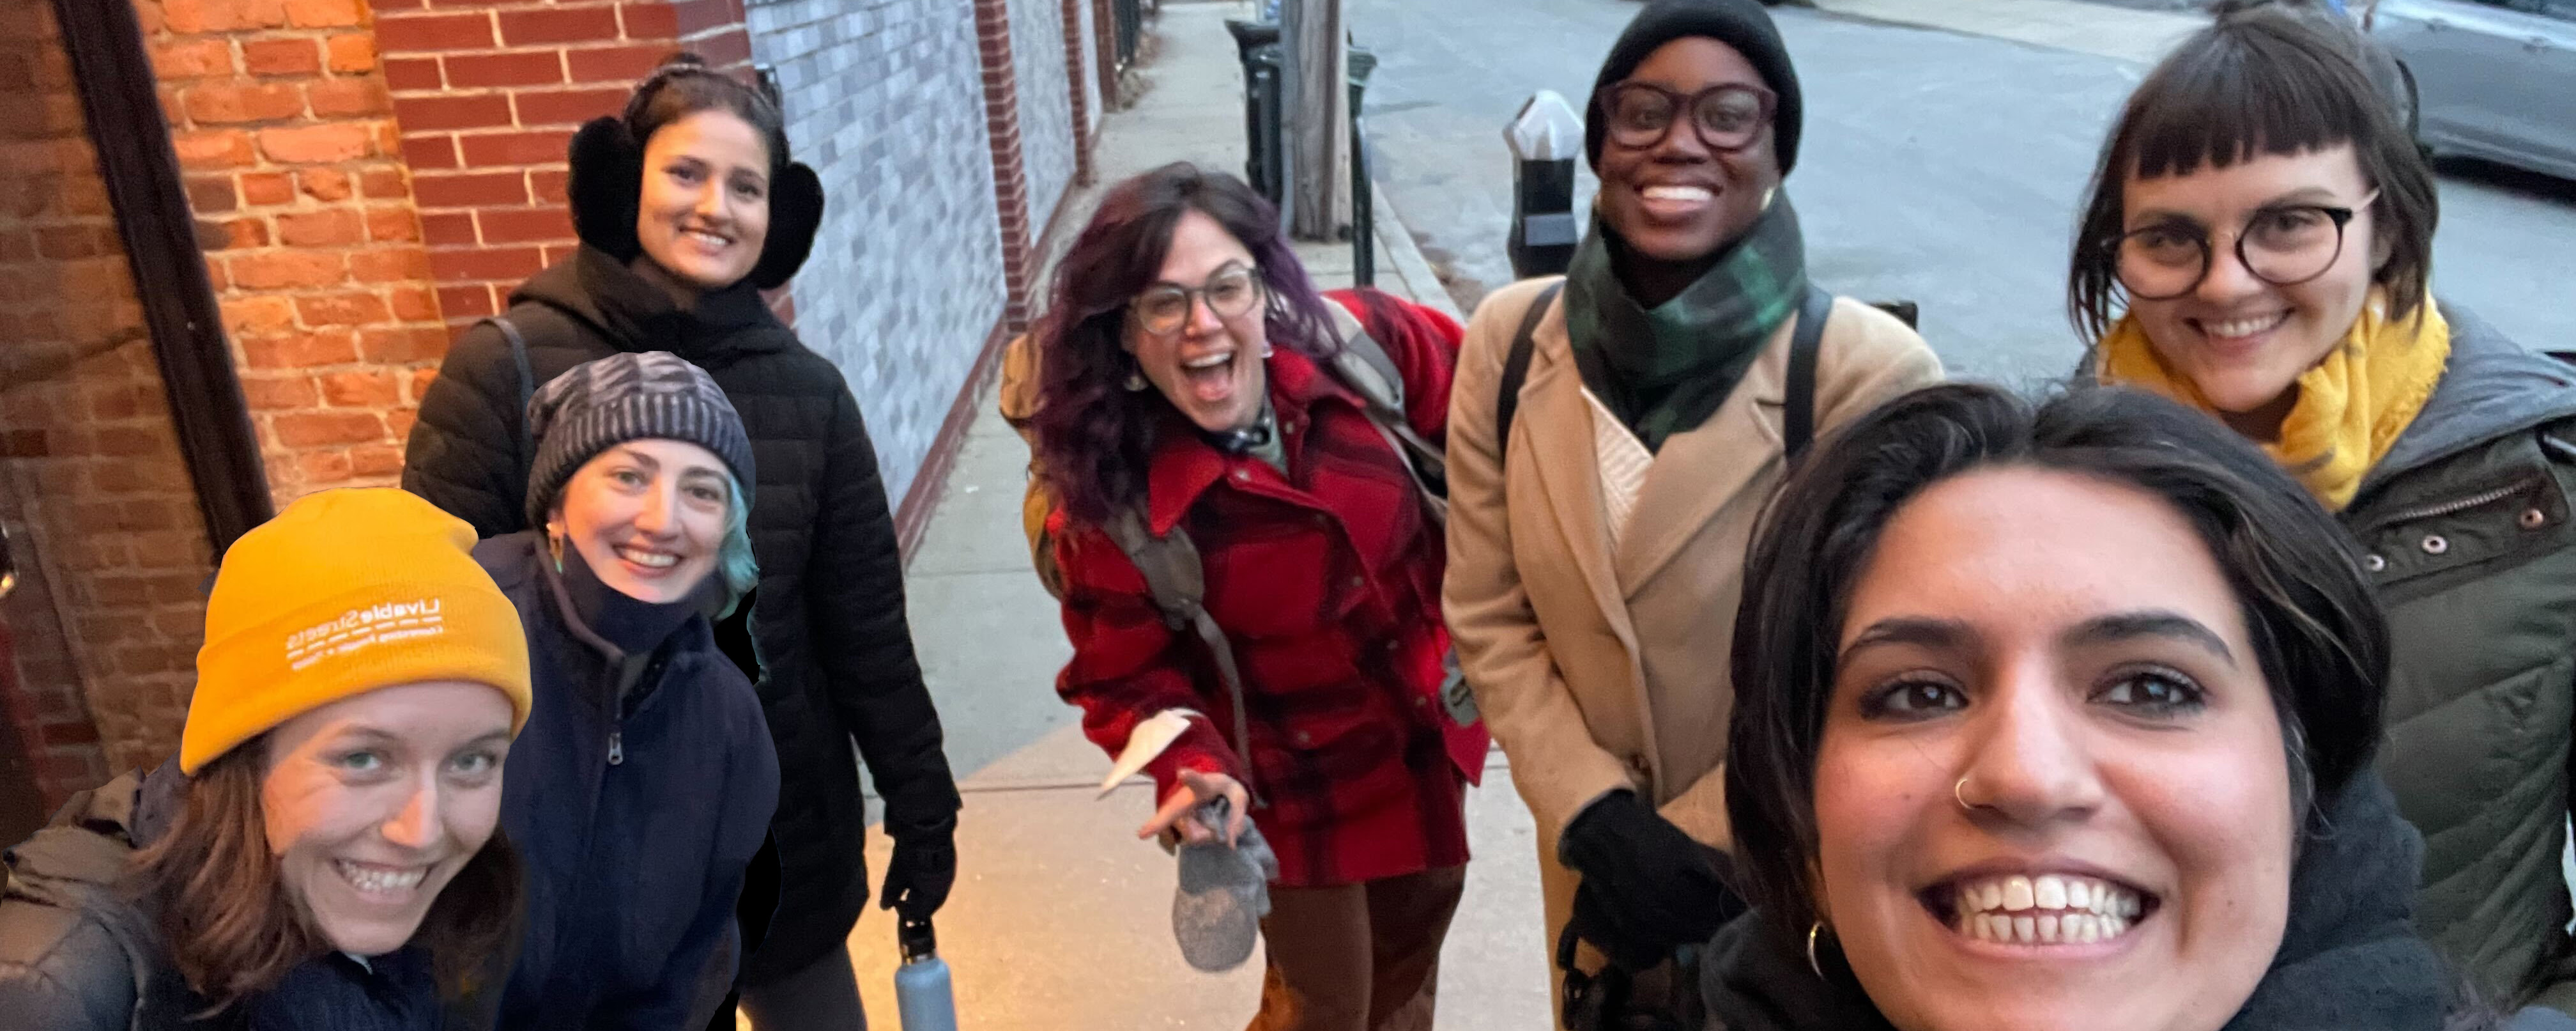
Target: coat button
[(1304, 738), (1420, 702), (1359, 581), (1242, 475), (2435, 544), (2533, 519)]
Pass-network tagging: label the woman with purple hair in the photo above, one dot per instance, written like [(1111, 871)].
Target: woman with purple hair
[(1189, 387)]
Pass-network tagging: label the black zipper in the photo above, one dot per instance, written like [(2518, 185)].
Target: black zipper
[(2480, 499)]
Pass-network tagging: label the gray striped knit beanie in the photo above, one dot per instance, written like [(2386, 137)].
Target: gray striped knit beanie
[(600, 404)]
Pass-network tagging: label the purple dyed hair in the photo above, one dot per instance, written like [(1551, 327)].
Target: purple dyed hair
[(1095, 437)]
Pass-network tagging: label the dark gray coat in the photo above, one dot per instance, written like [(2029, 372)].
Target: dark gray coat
[(2469, 524)]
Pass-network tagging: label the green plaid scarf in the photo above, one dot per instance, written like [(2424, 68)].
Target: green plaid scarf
[(1665, 371)]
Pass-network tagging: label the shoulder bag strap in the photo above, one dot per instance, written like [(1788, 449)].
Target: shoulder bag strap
[(1800, 415), (1507, 402), (527, 390), (1178, 583)]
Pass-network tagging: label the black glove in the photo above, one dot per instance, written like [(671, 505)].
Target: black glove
[(917, 881), (1647, 887)]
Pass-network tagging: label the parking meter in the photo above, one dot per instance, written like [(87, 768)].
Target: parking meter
[(1545, 137)]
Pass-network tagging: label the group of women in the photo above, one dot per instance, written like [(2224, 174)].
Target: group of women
[(2232, 686), (594, 771)]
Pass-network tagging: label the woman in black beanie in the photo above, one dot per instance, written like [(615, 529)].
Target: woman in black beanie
[(688, 206), (1611, 436)]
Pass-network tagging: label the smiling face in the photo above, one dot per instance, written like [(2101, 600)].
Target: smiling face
[(2071, 648), (1679, 200), (648, 516), (1210, 368), (2241, 341), (374, 802), (704, 211)]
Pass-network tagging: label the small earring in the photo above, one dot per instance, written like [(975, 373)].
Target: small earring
[(1812, 931), (554, 546), (1136, 381), (1267, 350)]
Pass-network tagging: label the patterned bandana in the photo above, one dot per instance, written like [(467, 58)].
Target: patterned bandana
[(1665, 371)]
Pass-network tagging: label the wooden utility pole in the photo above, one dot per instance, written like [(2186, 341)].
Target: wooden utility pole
[(1314, 77)]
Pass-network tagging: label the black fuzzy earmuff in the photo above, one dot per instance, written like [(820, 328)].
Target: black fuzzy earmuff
[(607, 185)]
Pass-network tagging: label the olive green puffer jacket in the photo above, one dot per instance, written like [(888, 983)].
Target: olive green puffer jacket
[(2469, 530)]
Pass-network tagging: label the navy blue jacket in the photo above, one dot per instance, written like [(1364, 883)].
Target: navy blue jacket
[(634, 819)]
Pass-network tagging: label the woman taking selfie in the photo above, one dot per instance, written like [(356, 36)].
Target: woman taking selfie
[(646, 778), (323, 851), (1613, 434), (1190, 388), (2064, 718), (688, 206), (2258, 245)]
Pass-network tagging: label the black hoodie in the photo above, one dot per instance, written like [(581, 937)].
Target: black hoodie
[(828, 616)]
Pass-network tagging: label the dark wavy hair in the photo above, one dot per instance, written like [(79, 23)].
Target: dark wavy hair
[(2318, 634), (1094, 436), (2267, 77)]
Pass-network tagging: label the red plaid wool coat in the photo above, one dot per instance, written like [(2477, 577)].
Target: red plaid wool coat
[(1327, 582)]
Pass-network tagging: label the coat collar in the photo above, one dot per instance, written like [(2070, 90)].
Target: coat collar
[(1185, 465)]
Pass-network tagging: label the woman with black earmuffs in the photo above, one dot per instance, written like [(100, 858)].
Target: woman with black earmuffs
[(688, 207)]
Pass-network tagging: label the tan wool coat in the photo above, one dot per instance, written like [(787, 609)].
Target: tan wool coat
[(1599, 669)]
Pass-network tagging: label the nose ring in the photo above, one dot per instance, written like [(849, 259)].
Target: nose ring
[(1959, 791)]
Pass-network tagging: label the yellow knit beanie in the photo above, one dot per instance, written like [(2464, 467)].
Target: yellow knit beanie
[(345, 592)]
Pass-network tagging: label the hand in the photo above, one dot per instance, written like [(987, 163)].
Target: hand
[(1194, 790), (1647, 887), (918, 879)]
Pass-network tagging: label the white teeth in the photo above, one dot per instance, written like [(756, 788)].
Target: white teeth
[(708, 237), (1684, 193), (1211, 361), (2244, 327), (2048, 908), (376, 881), (648, 559)]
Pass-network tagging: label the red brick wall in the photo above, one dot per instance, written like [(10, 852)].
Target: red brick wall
[(279, 114), (98, 644), (489, 92), (1010, 168), (1073, 66)]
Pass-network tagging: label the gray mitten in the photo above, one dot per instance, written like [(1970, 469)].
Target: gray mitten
[(1224, 892)]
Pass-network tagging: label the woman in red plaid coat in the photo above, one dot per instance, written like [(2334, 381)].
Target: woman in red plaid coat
[(1185, 378)]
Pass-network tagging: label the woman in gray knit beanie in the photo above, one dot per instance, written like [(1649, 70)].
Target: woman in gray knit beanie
[(646, 778)]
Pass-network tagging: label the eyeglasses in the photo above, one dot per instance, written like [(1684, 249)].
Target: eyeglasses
[(2284, 245), (1640, 115), (1165, 307)]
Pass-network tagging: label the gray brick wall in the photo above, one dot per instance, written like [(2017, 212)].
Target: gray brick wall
[(1046, 106), (885, 99)]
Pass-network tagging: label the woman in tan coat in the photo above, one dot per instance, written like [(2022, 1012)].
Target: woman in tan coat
[(1601, 504)]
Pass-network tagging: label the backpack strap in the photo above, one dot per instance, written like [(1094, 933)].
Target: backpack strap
[(1363, 365), (521, 447), (1507, 402), (1799, 419), (1178, 584)]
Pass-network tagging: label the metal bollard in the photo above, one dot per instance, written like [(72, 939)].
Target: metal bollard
[(1363, 202), (1256, 45), (1545, 137)]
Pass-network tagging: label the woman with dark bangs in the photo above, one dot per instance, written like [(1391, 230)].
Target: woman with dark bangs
[(2258, 245), (1188, 387)]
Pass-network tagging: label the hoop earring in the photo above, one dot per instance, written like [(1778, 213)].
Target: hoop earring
[(1813, 930)]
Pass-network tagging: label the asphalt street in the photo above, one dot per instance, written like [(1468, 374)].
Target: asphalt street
[(1936, 167)]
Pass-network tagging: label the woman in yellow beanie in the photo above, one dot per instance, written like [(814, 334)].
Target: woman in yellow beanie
[(323, 851)]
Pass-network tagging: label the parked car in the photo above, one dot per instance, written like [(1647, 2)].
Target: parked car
[(2495, 79)]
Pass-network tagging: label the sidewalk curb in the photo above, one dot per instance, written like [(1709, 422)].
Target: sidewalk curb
[(1395, 241)]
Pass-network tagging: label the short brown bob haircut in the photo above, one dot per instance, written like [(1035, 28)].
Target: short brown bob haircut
[(2268, 77)]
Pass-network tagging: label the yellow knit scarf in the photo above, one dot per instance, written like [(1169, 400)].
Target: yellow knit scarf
[(2351, 406)]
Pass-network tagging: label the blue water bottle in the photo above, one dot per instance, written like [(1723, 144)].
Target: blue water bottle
[(921, 985)]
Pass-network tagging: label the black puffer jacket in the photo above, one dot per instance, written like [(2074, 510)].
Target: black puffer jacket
[(828, 618)]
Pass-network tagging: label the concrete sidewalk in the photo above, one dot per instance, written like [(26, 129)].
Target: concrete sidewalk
[(1061, 918)]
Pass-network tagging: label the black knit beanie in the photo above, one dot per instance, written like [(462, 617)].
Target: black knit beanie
[(1741, 24), (600, 404)]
